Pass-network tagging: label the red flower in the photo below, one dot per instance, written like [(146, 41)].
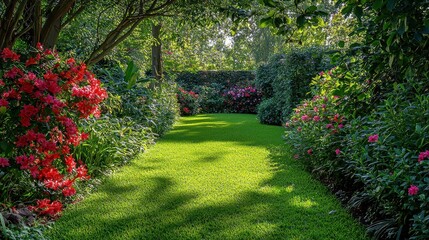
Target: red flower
[(69, 191), (316, 118), (423, 155), (9, 54), (3, 102), (4, 162), (373, 138), (46, 207), (310, 151), (413, 190), (337, 151), (186, 110)]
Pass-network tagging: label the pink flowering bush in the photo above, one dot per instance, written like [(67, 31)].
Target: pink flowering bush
[(41, 98), (316, 129), (388, 153), (379, 160), (242, 99)]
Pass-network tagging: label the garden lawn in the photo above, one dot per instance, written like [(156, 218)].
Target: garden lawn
[(216, 176)]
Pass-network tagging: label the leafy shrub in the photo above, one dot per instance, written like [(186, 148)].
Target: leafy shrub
[(211, 98), (188, 101), (268, 112), (155, 107), (390, 156), (286, 78), (112, 142), (41, 101), (162, 108), (242, 100)]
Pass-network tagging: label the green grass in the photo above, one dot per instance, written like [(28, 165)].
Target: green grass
[(220, 176)]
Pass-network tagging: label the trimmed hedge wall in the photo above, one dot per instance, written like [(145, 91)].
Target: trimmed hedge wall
[(227, 79)]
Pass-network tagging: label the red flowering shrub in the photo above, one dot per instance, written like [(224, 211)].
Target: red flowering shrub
[(40, 101), (242, 100), (188, 101)]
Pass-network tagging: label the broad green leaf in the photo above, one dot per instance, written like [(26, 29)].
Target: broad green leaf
[(390, 5), (377, 4), (341, 44), (391, 59), (266, 22), (311, 9), (131, 74), (390, 39), (300, 20), (269, 3)]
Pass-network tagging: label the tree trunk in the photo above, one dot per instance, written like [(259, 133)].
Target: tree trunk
[(156, 52)]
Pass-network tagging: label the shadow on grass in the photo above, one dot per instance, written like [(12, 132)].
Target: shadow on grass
[(284, 206), (238, 128), (287, 205)]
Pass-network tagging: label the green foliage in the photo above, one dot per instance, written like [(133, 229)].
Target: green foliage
[(286, 79), (228, 79), (112, 142), (162, 108), (395, 43), (389, 166), (211, 98), (269, 112), (373, 155)]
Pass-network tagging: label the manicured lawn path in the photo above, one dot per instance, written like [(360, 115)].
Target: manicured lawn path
[(213, 177)]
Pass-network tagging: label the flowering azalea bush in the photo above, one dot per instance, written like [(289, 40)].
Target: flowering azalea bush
[(242, 99), (41, 98), (188, 101), (389, 154), (316, 128), (377, 162)]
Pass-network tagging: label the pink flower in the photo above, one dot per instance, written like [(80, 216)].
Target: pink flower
[(423, 155), (340, 126), (373, 138), (4, 162), (337, 151), (413, 190), (287, 124), (305, 118), (316, 118), (310, 151), (329, 126), (315, 109)]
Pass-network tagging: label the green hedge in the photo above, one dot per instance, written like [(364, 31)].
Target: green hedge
[(285, 80), (190, 80)]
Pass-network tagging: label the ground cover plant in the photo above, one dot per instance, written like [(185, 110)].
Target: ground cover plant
[(216, 176)]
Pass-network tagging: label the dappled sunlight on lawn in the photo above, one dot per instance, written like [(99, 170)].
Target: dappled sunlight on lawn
[(210, 188)]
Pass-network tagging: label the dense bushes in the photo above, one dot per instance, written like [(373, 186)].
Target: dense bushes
[(377, 158), (226, 79), (48, 141), (41, 102), (242, 100), (215, 92), (285, 79), (188, 101)]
